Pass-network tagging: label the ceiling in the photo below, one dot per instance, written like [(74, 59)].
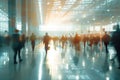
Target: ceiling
[(78, 12), (3, 10), (83, 12)]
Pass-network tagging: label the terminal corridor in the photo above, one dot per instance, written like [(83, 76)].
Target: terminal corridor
[(59, 39)]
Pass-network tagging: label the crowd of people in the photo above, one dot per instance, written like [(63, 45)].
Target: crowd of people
[(91, 39)]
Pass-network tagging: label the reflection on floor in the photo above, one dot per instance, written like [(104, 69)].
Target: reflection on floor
[(59, 64)]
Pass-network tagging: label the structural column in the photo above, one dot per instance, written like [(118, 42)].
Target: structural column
[(29, 16), (12, 15), (23, 16)]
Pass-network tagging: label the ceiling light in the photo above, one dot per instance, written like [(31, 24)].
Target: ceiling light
[(84, 16), (108, 10), (94, 19), (48, 3), (59, 7)]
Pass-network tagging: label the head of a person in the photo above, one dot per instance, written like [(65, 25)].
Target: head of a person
[(105, 32), (46, 33), (6, 31), (76, 34), (103, 29), (16, 30), (32, 33)]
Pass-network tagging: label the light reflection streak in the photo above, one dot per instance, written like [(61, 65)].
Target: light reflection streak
[(53, 62), (41, 13), (87, 56), (107, 78), (77, 77), (93, 59), (40, 67), (26, 50), (60, 77), (67, 67), (70, 58), (63, 61), (83, 63), (4, 62), (8, 59), (110, 67), (4, 58)]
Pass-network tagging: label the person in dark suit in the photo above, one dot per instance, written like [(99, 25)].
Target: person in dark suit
[(32, 39), (106, 40), (115, 40), (16, 46), (46, 40)]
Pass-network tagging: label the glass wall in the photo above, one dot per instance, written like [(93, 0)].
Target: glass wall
[(3, 22), (3, 16)]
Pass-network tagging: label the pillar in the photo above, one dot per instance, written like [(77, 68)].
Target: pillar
[(12, 15), (23, 16)]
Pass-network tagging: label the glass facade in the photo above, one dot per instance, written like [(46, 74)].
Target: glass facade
[(3, 16), (77, 14), (3, 21)]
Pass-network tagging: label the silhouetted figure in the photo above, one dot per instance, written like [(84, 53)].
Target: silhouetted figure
[(63, 40), (116, 42), (84, 40), (91, 41), (16, 45), (96, 42), (46, 40), (23, 39), (77, 42), (32, 39), (106, 40)]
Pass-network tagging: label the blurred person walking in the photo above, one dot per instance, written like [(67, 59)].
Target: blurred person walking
[(63, 40), (76, 42), (16, 46), (115, 40), (46, 41), (23, 40), (32, 39), (106, 40)]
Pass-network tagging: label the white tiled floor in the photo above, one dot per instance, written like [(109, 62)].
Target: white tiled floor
[(61, 64)]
